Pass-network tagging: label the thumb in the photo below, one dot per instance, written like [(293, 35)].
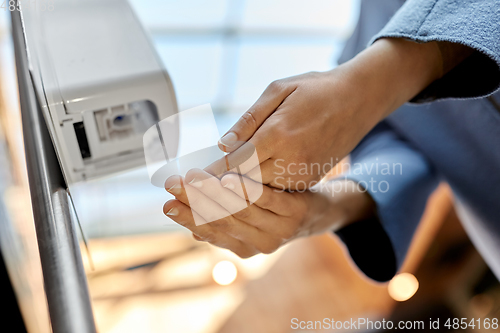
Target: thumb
[(251, 120)]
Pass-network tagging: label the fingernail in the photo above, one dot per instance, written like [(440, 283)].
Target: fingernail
[(198, 238), (229, 186), (229, 139), (196, 183), (173, 212), (175, 189)]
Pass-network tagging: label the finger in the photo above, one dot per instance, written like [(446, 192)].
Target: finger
[(175, 185), (265, 173), (212, 188), (273, 175), (183, 215), (274, 200), (210, 211), (247, 234), (189, 195), (251, 120), (242, 160), (252, 225), (237, 206)]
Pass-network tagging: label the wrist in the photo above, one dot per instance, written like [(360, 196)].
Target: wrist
[(322, 214), (354, 201), (348, 202), (336, 204)]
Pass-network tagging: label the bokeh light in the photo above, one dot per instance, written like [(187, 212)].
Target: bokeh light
[(224, 273), (403, 286)]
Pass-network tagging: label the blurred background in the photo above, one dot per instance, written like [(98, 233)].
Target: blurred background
[(146, 274)]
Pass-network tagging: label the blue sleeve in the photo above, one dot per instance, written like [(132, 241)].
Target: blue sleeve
[(400, 180), (474, 23)]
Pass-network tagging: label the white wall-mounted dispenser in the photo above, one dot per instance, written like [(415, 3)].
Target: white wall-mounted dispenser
[(100, 83)]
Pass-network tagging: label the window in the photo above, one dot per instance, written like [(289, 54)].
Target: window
[(225, 52)]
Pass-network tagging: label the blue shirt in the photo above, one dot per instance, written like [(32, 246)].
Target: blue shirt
[(456, 140)]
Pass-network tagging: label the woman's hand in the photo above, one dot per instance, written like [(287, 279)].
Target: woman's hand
[(272, 220), (302, 125)]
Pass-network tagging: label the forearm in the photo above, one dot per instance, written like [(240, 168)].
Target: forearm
[(470, 26), (393, 70)]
